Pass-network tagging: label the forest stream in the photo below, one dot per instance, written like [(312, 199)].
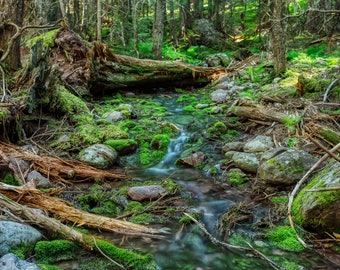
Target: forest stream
[(187, 246)]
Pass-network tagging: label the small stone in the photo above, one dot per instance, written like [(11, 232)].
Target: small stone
[(142, 193), (246, 161)]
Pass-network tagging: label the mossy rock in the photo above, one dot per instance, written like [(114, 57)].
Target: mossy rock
[(48, 252), (123, 146), (319, 211)]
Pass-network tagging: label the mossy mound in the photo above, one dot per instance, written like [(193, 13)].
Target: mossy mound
[(284, 237), (48, 252)]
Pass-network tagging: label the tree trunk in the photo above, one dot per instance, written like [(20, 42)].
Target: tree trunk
[(278, 36), (99, 21), (12, 11), (158, 28)]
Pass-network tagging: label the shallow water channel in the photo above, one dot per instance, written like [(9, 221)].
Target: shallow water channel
[(187, 247)]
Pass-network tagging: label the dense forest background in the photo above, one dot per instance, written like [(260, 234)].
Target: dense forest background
[(168, 29)]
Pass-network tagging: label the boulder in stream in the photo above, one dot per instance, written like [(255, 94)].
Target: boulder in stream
[(13, 234), (98, 155), (319, 210), (11, 261), (141, 193), (283, 166), (248, 162), (193, 160)]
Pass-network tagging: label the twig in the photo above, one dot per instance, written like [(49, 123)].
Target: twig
[(297, 187), (107, 257), (329, 88), (3, 84), (323, 148), (229, 246)]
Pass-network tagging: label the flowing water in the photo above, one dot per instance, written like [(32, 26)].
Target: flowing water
[(187, 247)]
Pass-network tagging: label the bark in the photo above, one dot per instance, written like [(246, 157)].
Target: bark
[(12, 11), (158, 29), (278, 36), (259, 113), (64, 211)]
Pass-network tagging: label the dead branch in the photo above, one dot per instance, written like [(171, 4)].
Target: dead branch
[(329, 88), (229, 246), (66, 212), (318, 144)]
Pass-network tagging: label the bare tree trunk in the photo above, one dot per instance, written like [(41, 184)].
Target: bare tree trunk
[(278, 36), (99, 20), (135, 12), (158, 28)]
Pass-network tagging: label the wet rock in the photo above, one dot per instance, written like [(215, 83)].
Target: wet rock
[(99, 155), (285, 168), (246, 161), (127, 111), (142, 193), (41, 181), (114, 116), (193, 160), (13, 234), (11, 261), (259, 144), (219, 96), (229, 155), (319, 211), (233, 146)]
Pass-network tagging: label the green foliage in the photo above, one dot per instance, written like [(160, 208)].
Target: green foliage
[(54, 251), (292, 141), (237, 178), (316, 51), (249, 93), (10, 179), (291, 54), (48, 267), (291, 121), (284, 237)]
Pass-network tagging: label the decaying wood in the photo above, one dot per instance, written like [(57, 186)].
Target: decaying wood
[(259, 113), (88, 242), (64, 211), (56, 168)]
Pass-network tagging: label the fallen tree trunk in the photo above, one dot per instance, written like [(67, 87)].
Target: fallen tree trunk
[(259, 113), (56, 168), (51, 225), (64, 211)]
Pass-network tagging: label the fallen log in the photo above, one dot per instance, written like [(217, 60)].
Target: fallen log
[(56, 168), (129, 258), (259, 113), (64, 211)]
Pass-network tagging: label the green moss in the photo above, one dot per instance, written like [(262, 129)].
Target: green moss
[(126, 125), (144, 218), (10, 179), (55, 251), (121, 144), (129, 258), (4, 114), (170, 186), (218, 129), (279, 199), (46, 37), (186, 99), (237, 178), (22, 251), (133, 206), (187, 220), (48, 267), (189, 108), (284, 237), (160, 141)]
